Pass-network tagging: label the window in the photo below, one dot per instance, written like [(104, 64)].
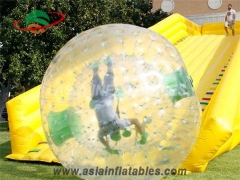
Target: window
[(167, 5), (214, 4)]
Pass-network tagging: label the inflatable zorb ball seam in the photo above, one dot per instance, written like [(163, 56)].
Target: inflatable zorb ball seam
[(119, 97)]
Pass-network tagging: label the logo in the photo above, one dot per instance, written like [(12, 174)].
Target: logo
[(38, 21)]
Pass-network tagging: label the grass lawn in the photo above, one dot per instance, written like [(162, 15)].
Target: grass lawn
[(225, 167)]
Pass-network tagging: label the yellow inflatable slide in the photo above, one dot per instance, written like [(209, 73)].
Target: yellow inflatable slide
[(212, 60)]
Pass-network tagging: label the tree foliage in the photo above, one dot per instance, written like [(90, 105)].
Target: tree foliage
[(25, 57)]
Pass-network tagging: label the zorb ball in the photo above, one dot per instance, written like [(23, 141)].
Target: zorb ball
[(118, 103)]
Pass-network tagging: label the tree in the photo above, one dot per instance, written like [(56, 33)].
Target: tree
[(25, 57), (142, 15), (5, 9)]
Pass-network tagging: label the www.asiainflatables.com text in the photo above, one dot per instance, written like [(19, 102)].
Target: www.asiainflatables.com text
[(119, 171)]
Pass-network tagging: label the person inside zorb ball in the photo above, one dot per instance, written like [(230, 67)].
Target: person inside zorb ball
[(108, 120), (117, 103)]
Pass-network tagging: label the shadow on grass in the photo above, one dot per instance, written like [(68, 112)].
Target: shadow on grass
[(5, 146), (4, 126), (5, 149)]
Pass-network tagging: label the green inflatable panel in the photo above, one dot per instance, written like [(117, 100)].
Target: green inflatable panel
[(178, 85), (64, 125)]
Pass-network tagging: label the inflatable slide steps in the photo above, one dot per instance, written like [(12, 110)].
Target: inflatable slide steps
[(204, 57), (180, 40), (207, 97)]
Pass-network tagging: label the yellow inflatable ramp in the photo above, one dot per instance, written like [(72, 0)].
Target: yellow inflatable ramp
[(28, 140), (220, 129)]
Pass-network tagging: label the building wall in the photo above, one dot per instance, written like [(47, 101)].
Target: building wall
[(209, 18), (194, 7)]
